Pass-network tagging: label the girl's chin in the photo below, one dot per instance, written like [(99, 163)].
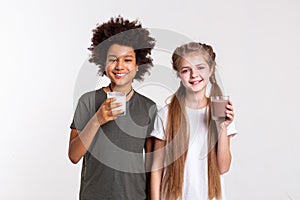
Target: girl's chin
[(196, 89)]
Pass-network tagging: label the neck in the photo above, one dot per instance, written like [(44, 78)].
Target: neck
[(195, 100), (127, 88), (120, 88)]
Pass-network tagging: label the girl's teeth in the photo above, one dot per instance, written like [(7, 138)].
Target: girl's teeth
[(196, 82)]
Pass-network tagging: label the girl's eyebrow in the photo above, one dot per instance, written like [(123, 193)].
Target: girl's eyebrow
[(200, 64), (197, 65)]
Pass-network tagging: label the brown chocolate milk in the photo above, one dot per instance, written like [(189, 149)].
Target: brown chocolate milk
[(218, 109)]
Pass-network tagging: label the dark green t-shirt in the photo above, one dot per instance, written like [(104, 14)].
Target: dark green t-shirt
[(113, 167)]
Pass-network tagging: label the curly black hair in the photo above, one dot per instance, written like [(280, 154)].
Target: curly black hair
[(122, 32)]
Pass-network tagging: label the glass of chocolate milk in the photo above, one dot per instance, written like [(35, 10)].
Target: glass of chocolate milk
[(218, 107)]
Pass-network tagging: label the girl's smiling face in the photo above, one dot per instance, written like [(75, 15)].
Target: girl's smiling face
[(194, 72)]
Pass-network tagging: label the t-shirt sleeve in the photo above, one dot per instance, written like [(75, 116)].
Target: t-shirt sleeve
[(231, 130), (152, 113), (81, 115), (159, 127)]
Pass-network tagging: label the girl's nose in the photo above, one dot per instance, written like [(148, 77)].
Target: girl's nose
[(194, 72)]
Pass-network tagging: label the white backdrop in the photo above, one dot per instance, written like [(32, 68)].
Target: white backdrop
[(43, 47)]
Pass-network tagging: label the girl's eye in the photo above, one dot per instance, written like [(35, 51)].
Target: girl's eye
[(184, 71), (200, 68), (128, 60)]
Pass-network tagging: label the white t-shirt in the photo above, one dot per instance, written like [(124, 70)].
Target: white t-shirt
[(195, 184)]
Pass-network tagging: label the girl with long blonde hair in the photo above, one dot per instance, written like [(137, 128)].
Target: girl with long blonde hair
[(191, 150)]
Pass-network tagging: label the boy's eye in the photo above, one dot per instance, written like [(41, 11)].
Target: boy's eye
[(128, 60), (112, 60)]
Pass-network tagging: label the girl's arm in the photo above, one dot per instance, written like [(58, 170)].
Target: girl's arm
[(224, 154), (81, 140), (157, 168)]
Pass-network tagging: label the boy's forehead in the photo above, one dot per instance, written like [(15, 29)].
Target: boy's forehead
[(120, 50)]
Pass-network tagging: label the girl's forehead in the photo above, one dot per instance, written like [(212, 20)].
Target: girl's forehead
[(194, 58)]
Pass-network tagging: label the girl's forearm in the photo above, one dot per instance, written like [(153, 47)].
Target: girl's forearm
[(223, 154)]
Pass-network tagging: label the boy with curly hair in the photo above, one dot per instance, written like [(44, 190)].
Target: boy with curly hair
[(111, 144)]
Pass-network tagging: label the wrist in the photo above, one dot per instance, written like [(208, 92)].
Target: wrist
[(96, 121), (221, 127)]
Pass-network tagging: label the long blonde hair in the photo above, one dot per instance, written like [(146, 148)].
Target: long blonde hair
[(177, 133)]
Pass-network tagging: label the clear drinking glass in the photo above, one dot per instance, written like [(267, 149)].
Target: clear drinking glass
[(218, 107), (120, 98)]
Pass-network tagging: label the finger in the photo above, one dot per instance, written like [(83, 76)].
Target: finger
[(117, 112), (106, 107), (106, 104), (115, 105), (229, 110), (229, 116), (110, 113), (112, 99), (229, 107), (109, 100), (104, 116), (111, 118), (109, 104)]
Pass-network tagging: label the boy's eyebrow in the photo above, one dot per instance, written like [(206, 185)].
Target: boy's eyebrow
[(112, 55)]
